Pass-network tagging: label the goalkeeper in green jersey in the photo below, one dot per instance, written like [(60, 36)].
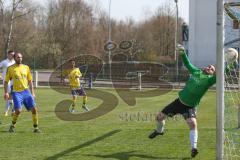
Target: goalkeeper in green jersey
[(188, 99)]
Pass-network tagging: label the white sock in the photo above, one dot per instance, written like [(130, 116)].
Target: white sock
[(8, 104), (11, 102), (160, 126), (193, 138)]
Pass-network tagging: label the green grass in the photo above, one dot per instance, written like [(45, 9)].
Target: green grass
[(117, 135)]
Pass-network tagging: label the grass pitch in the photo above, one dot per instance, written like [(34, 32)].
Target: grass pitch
[(121, 134)]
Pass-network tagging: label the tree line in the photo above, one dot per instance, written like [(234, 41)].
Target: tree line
[(51, 33)]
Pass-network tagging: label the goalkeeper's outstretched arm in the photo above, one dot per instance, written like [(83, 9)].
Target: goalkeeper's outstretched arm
[(186, 61)]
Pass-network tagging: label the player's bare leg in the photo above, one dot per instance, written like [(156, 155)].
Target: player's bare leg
[(74, 99), (84, 104)]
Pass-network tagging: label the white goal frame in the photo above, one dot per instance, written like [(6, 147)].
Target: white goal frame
[(220, 81)]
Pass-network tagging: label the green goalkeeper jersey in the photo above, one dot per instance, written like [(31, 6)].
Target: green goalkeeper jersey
[(196, 86)]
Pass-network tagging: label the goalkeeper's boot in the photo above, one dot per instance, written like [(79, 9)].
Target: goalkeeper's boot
[(37, 130), (194, 152), (154, 134), (11, 129), (85, 108)]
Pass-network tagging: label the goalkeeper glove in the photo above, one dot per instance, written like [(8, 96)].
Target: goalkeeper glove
[(180, 49)]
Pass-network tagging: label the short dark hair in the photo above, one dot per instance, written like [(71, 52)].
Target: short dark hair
[(10, 51), (16, 54)]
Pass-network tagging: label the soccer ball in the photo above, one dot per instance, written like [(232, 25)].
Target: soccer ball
[(231, 55)]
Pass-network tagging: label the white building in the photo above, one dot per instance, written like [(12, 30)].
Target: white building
[(203, 30)]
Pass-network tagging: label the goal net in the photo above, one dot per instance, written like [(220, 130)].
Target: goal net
[(232, 113), (232, 85)]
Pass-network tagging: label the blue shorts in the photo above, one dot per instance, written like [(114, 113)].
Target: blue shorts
[(25, 97), (80, 92)]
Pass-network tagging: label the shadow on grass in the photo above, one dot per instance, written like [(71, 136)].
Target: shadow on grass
[(7, 132), (128, 155), (59, 155)]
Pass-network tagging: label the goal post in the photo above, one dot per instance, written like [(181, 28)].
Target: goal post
[(220, 81)]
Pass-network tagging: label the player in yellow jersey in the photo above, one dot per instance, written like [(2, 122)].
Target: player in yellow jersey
[(73, 75), (23, 91)]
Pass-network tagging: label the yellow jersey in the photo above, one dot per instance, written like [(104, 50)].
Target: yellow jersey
[(20, 75), (73, 77)]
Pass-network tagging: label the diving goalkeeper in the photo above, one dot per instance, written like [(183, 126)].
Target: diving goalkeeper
[(188, 99)]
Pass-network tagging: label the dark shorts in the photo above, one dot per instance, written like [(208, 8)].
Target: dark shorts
[(80, 92), (177, 107)]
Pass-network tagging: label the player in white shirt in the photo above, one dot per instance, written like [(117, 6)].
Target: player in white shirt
[(4, 65)]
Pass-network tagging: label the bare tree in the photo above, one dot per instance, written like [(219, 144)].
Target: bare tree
[(70, 24), (13, 16), (69, 28)]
